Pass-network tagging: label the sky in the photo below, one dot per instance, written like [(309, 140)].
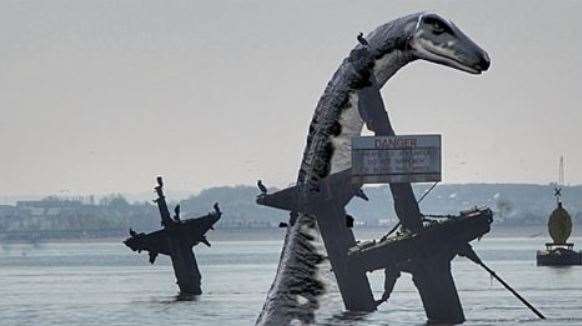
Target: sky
[(102, 96)]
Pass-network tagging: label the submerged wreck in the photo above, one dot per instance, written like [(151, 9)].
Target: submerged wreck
[(176, 240)]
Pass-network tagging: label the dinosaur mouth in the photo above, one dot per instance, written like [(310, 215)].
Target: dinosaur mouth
[(454, 62)]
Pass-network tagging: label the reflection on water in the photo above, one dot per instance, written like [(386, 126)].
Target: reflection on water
[(186, 297), (103, 283), (346, 318)]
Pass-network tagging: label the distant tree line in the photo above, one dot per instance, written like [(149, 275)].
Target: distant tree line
[(514, 204)]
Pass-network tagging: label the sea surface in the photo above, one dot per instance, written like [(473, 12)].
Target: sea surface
[(104, 283)]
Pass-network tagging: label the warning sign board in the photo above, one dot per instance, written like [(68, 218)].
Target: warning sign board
[(392, 159)]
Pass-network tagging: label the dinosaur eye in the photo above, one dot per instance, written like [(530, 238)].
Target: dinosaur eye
[(437, 27)]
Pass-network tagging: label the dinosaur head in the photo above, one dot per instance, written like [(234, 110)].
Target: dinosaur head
[(437, 40)]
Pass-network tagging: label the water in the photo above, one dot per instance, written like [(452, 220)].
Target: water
[(103, 283)]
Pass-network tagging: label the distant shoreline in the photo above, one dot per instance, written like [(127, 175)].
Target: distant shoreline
[(276, 234)]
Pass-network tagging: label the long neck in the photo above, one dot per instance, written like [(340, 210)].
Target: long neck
[(386, 66), (363, 106), (389, 45)]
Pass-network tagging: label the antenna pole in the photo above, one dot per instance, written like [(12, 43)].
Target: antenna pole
[(561, 176)]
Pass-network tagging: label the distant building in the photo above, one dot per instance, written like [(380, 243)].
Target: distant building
[(49, 202), (7, 210), (49, 206)]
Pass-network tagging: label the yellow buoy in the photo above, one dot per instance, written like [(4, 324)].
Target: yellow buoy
[(560, 225)]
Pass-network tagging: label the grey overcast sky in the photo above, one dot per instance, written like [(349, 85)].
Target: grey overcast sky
[(101, 96)]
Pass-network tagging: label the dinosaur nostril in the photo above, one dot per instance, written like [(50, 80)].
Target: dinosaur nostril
[(485, 62)]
